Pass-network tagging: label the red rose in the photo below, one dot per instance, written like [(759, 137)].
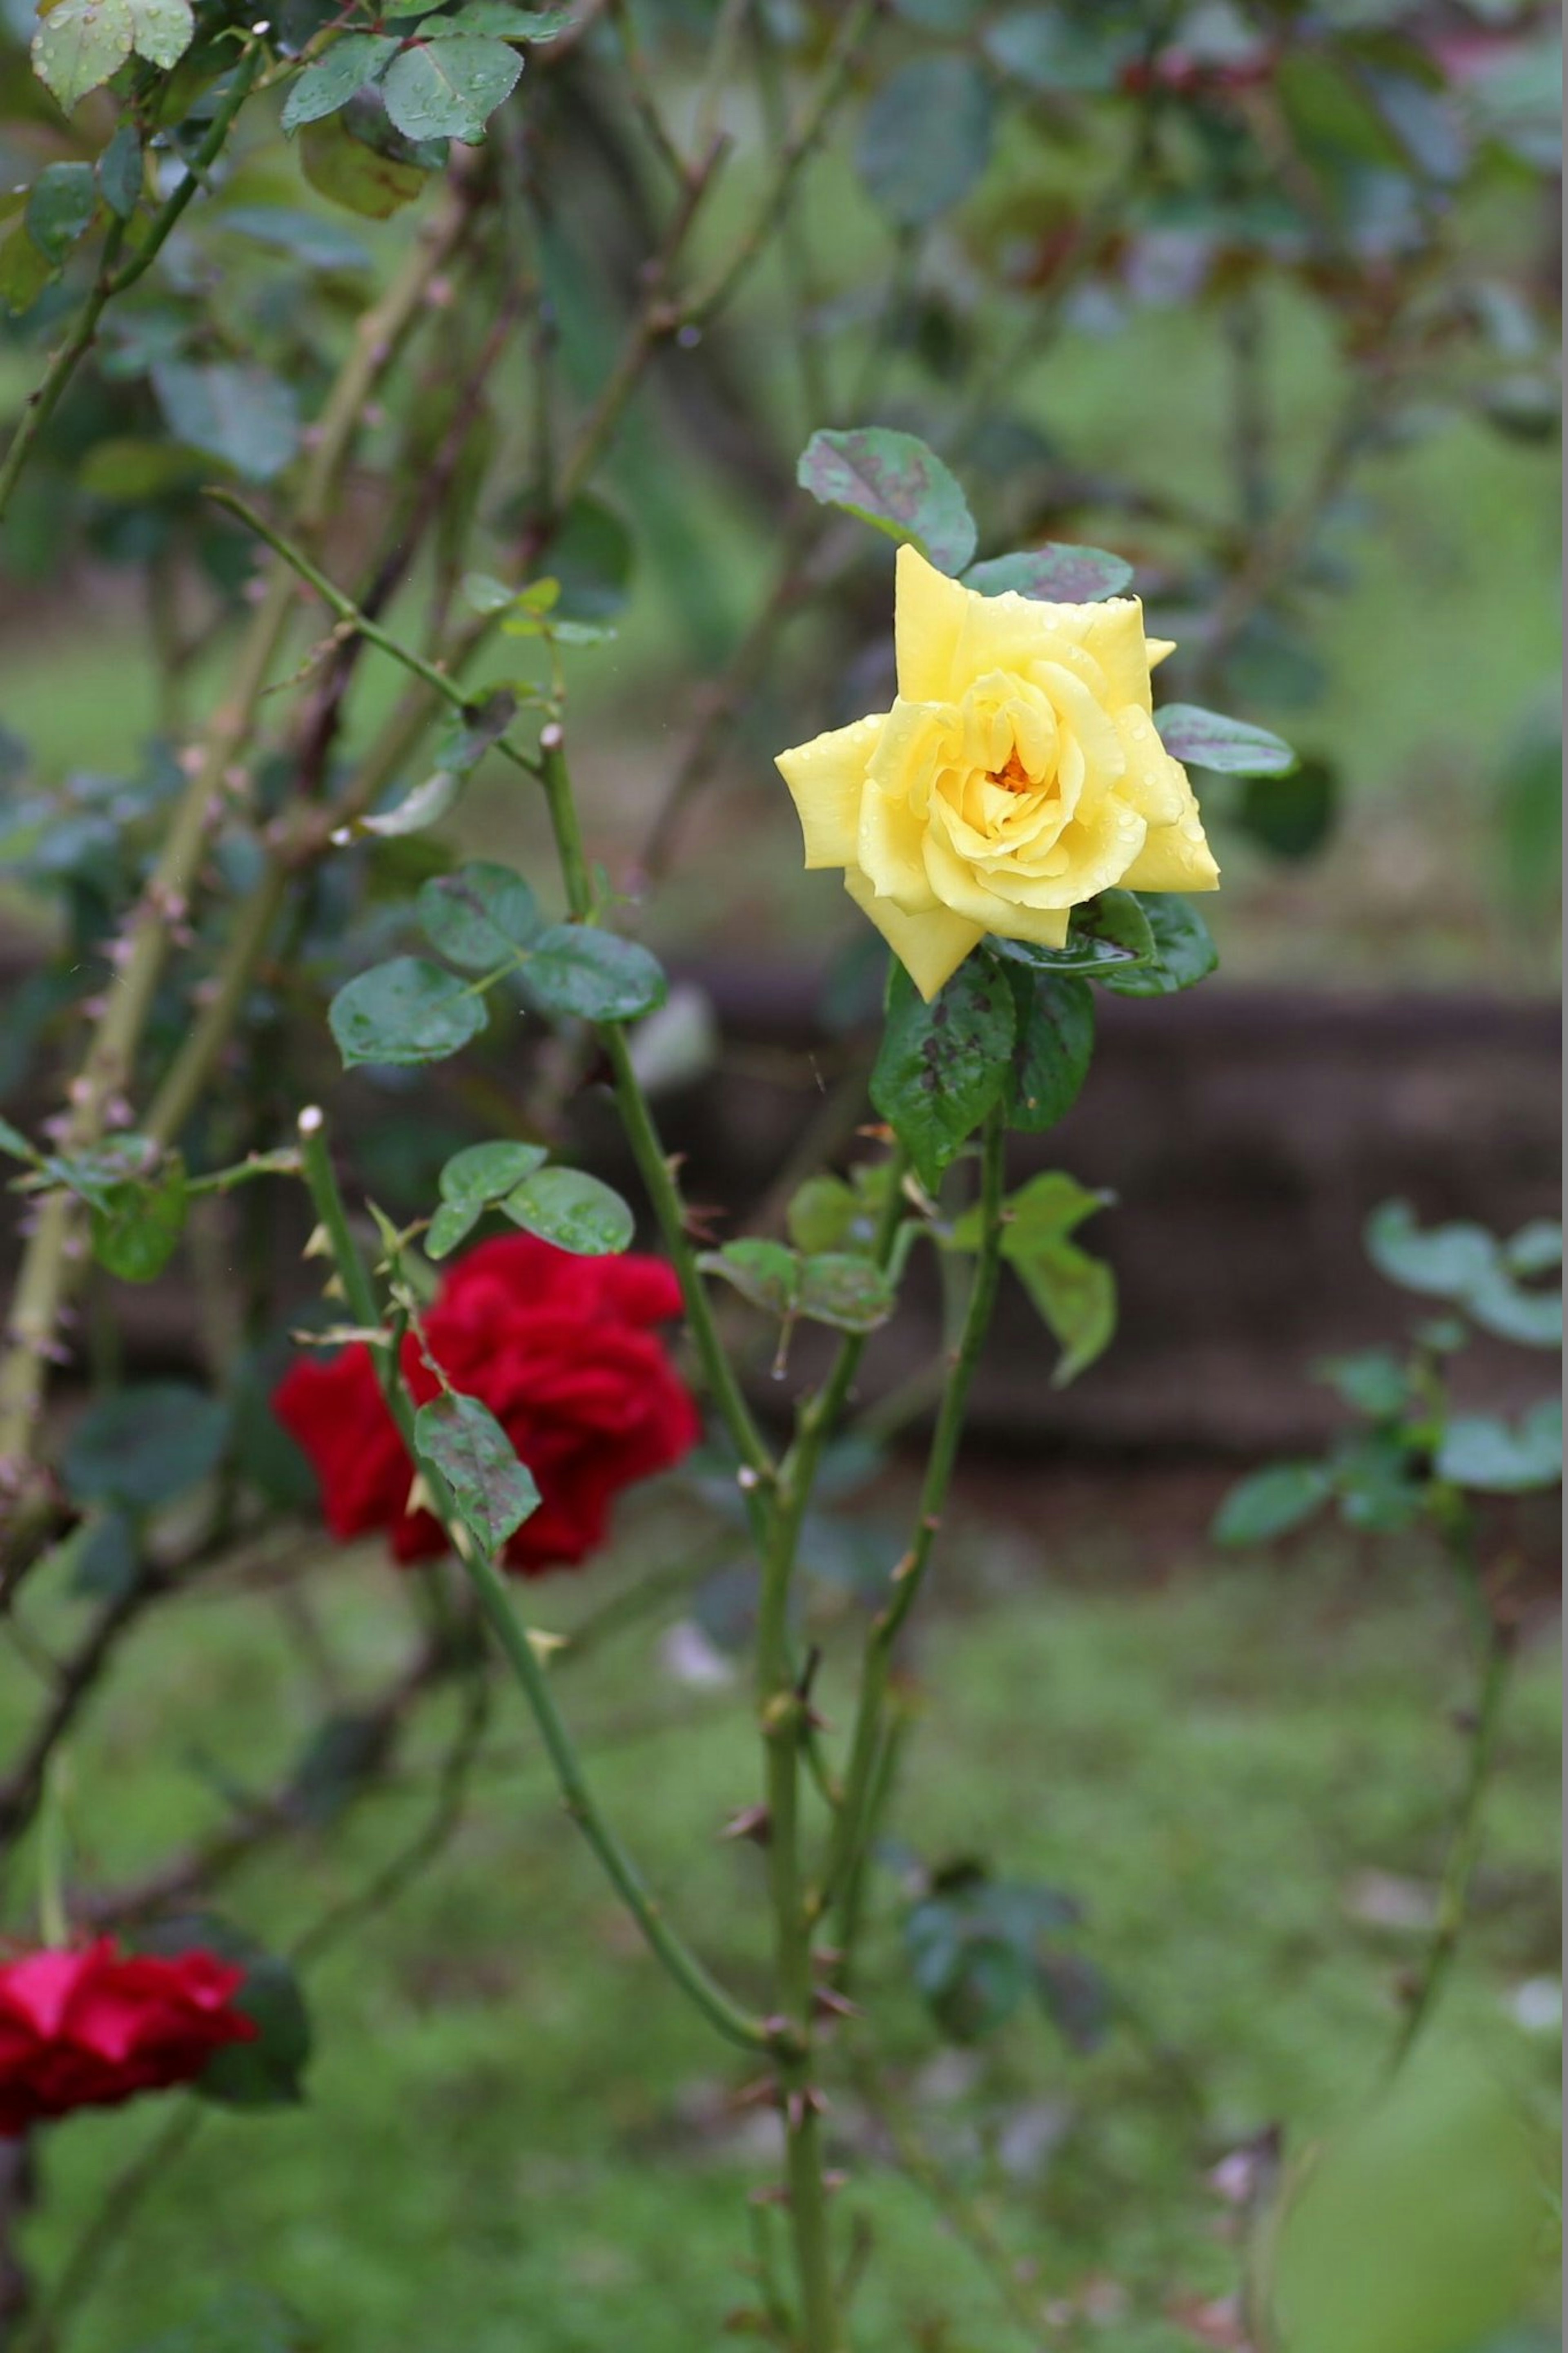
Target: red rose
[(562, 1351), (89, 2027)]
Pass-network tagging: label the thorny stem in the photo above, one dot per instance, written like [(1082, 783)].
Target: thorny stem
[(510, 1635), (48, 1270), (42, 402), (1465, 1844), (852, 1826)]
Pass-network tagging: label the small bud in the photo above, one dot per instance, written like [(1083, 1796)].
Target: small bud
[(313, 1119), (746, 1478), (552, 737)]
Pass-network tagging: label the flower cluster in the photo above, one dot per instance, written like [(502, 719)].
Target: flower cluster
[(88, 2026), (564, 1351)]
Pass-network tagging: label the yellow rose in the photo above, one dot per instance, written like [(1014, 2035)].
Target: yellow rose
[(1019, 773)]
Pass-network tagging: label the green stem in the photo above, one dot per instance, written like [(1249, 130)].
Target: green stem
[(1465, 1845), (852, 1827), (510, 1634), (653, 1164), (42, 402)]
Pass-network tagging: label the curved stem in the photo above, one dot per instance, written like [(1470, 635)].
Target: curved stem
[(852, 1827), (1465, 1844), (510, 1634)]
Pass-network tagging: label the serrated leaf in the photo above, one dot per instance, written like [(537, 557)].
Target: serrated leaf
[(1498, 1458), (766, 1273), (449, 89), (79, 44), (1271, 1503), (823, 1213), (942, 1066), (482, 1173), (925, 139), (1055, 574), (574, 1211), (1205, 739), (480, 916), (144, 1445), (1184, 949), (60, 206), (573, 969), (499, 20), (162, 30), (353, 61), (894, 482), (137, 1230), (1054, 1045), (360, 178), (1105, 934), (241, 414), (408, 1010), (120, 171), (844, 1291), (493, 1492)]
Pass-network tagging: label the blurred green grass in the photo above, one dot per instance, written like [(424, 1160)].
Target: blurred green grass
[(517, 2136)]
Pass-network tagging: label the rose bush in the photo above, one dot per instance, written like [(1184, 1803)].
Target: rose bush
[(88, 2026), (565, 1353), (1017, 773)]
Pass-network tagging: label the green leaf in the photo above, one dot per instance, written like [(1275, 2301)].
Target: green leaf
[(1105, 934), (493, 1492), (1055, 50), (1073, 1294), (12, 1141), (353, 61), (405, 1011), (1204, 739), (268, 2072), (894, 482), (499, 20), (419, 810), (482, 1173), (1378, 1486), (925, 139), (306, 237), (480, 916), (1421, 2226), (452, 1224), (766, 1274), (1536, 1248), (120, 171), (1055, 574), (23, 272), (1292, 816), (1373, 1383), (576, 969), (95, 1176), (1500, 1458), (60, 206), (361, 178), (591, 556), (138, 1229), (1463, 1263), (848, 1293), (1183, 953), (942, 1066), (574, 1211), (79, 44), (1533, 1319), (449, 89), (144, 1445), (238, 414), (1271, 1503), (823, 1213), (162, 30), (1054, 1044)]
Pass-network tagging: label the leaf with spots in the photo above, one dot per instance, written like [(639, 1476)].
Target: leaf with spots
[(894, 482), (942, 1065)]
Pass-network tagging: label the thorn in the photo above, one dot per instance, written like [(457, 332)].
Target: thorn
[(753, 1822), (762, 2092), (774, 2193), (830, 2004), (318, 1246), (544, 1645), (420, 1499), (834, 2182), (826, 1957)]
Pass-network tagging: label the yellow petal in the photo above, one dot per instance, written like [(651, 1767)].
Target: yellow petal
[(1175, 857), (1112, 632), (826, 778), (930, 947), (929, 613)]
